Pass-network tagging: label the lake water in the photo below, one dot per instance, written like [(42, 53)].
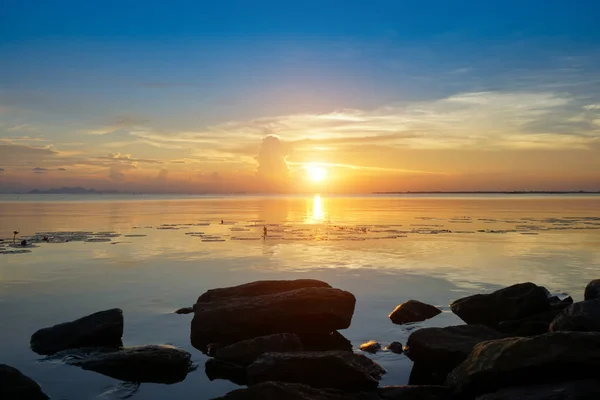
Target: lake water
[(384, 249)]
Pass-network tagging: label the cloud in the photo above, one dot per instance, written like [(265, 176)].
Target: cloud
[(162, 175), (61, 169), (127, 159), (39, 170), (1, 170), (272, 168), (119, 123)]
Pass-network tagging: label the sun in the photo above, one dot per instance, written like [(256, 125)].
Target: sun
[(315, 173)]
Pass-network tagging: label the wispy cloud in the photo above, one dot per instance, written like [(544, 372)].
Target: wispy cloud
[(39, 170)]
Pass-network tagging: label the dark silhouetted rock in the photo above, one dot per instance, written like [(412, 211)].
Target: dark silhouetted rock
[(219, 369), (511, 303), (293, 391), (370, 347), (259, 288), (158, 364), (395, 347), (549, 358), (318, 341), (212, 348), (185, 310), (246, 351), (537, 324), (333, 369), (410, 392), (16, 386), (413, 311), (592, 290), (576, 390), (441, 349), (104, 328), (583, 316), (227, 321)]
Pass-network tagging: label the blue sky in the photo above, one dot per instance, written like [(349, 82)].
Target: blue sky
[(86, 79)]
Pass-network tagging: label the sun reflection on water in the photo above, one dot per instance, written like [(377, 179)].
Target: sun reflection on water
[(317, 213)]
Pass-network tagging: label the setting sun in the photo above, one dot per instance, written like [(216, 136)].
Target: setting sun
[(315, 173)]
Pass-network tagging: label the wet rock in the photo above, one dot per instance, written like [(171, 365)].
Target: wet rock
[(370, 347), (219, 369), (511, 303), (410, 392), (309, 310), (534, 325), (317, 341), (16, 386), (550, 358), (333, 369), (246, 351), (395, 347), (259, 288), (413, 311), (592, 290), (583, 316), (211, 349), (185, 310), (293, 391), (104, 328), (442, 349), (576, 390), (154, 363)]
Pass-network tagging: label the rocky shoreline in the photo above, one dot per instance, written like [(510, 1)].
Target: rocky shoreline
[(281, 339)]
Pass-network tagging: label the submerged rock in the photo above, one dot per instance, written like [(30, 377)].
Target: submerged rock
[(511, 303), (16, 386), (410, 392), (370, 347), (576, 390), (413, 311), (549, 358), (318, 341), (293, 391), (583, 316), (104, 328), (437, 351), (592, 290), (395, 347), (259, 288), (310, 310), (219, 369), (185, 310), (333, 369), (153, 363), (246, 351)]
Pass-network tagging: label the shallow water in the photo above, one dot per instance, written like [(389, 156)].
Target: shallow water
[(152, 255)]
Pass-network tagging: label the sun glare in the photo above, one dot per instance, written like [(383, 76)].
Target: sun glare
[(315, 173)]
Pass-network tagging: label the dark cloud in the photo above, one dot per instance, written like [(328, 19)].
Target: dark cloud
[(61, 169), (127, 159), (1, 169), (273, 171), (162, 175), (38, 170)]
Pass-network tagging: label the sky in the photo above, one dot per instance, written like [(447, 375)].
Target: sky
[(300, 96)]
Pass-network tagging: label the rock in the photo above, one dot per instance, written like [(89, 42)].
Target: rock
[(530, 326), (309, 310), (246, 351), (592, 290), (332, 369), (317, 341), (293, 391), (442, 349), (583, 316), (104, 328), (219, 369), (16, 386), (212, 348), (413, 311), (395, 347), (185, 310), (431, 392), (370, 347), (259, 288), (576, 390), (550, 358), (511, 303), (154, 363)]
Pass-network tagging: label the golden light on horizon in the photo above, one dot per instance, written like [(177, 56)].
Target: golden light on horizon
[(315, 173)]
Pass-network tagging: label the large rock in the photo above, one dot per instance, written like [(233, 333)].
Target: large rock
[(310, 310), (592, 290), (259, 288), (319, 341), (413, 311), (537, 324), (333, 369), (576, 390), (16, 386), (411, 392), (246, 351), (154, 363), (104, 328), (583, 316), (293, 391), (437, 351), (549, 358), (514, 302), (219, 369)]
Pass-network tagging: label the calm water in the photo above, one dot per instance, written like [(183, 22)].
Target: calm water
[(384, 249)]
